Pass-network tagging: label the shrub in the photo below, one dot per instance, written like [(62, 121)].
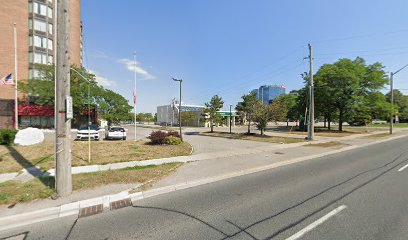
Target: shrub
[(158, 137), (173, 133), (7, 136), (171, 140)]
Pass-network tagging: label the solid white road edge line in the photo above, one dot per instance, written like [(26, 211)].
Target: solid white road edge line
[(401, 169), (317, 223)]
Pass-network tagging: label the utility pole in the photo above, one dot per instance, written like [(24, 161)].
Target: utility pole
[(392, 101), (392, 96), (15, 79), (134, 95), (63, 178), (180, 81), (310, 135)]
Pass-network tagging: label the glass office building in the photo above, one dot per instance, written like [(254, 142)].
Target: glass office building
[(267, 93)]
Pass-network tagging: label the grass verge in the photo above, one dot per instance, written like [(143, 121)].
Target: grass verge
[(379, 135), (253, 137), (15, 158), (13, 192), (332, 144)]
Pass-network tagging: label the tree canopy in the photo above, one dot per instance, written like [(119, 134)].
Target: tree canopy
[(112, 106), (212, 108), (350, 88)]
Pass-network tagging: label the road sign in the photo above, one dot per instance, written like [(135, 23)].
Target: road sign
[(69, 109)]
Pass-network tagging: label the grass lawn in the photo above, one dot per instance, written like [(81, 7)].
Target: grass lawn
[(12, 192), (253, 137), (14, 158), (387, 125), (332, 144)]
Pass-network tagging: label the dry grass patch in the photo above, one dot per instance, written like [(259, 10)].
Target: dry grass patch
[(13, 192), (14, 158), (254, 137), (332, 144), (378, 135)]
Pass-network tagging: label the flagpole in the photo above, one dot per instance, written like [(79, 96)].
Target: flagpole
[(134, 93), (16, 79)]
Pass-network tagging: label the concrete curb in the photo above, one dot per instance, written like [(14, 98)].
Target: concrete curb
[(74, 208)]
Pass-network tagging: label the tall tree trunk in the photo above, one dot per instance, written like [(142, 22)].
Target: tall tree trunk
[(325, 121), (249, 124), (341, 120), (262, 131), (211, 125), (329, 121)]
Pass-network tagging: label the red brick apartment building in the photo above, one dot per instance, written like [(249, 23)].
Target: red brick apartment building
[(35, 23)]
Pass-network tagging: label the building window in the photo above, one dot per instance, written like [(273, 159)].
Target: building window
[(40, 9), (50, 44), (30, 41), (49, 12), (34, 74), (40, 26), (30, 24), (40, 42), (50, 29), (30, 7), (50, 1), (40, 58), (50, 59)]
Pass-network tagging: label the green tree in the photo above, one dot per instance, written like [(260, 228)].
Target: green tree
[(212, 108), (401, 104), (247, 107), (344, 87), (188, 118), (289, 101), (111, 106), (262, 114)]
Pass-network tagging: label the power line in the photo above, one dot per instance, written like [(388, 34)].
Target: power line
[(359, 36)]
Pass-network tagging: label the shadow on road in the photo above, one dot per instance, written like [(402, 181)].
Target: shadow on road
[(289, 226)]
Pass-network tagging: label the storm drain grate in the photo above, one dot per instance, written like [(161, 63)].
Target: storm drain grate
[(120, 204), (92, 210)]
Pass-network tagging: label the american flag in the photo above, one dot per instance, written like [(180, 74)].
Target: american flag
[(7, 80), (134, 96)]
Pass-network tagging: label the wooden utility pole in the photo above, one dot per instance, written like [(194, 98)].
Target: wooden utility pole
[(310, 135), (63, 178)]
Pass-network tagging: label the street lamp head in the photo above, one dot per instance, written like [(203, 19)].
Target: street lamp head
[(177, 80)]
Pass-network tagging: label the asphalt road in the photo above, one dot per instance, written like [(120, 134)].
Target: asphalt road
[(359, 194)]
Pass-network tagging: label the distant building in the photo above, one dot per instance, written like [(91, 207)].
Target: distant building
[(294, 92), (36, 44), (168, 115), (267, 93)]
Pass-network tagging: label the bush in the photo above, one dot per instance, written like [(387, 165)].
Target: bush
[(7, 136), (158, 137), (171, 140), (173, 134)]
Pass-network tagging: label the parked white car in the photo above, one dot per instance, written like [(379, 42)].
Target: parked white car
[(116, 133), (84, 133)]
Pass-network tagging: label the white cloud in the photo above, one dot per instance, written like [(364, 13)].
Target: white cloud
[(130, 65), (104, 82)]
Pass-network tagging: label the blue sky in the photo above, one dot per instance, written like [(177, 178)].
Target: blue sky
[(229, 47)]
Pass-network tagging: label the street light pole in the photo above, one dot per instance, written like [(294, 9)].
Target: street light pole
[(180, 81), (230, 120), (392, 96)]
